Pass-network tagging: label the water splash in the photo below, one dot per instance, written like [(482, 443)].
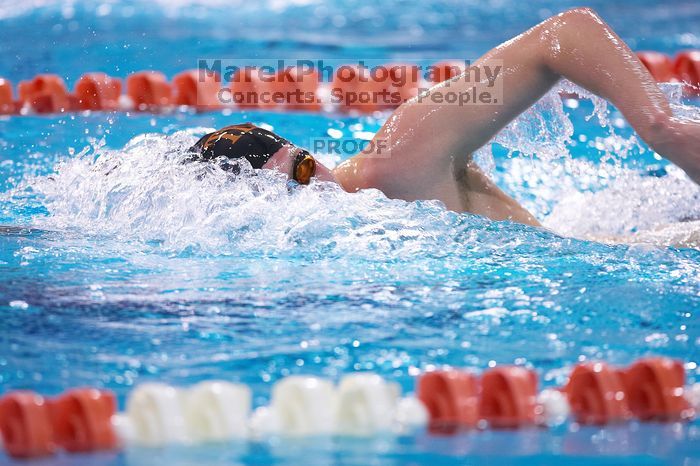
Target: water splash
[(630, 205), (545, 130), (146, 192), (599, 200)]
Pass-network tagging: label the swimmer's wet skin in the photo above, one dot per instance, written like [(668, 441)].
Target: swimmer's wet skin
[(430, 145)]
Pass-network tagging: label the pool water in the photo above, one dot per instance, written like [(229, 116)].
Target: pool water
[(119, 264)]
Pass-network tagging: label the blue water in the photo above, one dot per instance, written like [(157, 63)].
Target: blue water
[(159, 271)]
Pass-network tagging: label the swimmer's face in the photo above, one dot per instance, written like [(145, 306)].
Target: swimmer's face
[(283, 161)]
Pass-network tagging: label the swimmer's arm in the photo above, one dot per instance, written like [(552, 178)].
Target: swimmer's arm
[(577, 45)]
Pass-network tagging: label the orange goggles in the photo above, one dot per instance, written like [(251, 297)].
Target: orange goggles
[(304, 167)]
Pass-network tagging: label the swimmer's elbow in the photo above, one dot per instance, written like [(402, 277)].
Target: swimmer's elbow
[(565, 31), (582, 13)]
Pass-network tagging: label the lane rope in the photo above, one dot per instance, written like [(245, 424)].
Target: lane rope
[(291, 89), (362, 404)]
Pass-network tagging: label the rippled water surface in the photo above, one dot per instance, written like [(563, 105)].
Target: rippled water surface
[(121, 264)]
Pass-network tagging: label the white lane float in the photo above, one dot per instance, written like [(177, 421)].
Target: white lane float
[(692, 394), (410, 415), (365, 404), (153, 416), (158, 414), (299, 405), (215, 411), (554, 406)]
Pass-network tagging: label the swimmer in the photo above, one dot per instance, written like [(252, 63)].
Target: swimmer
[(431, 145)]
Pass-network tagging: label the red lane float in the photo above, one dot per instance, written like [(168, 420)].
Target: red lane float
[(659, 65), (7, 105), (687, 69), (508, 397), (97, 91), (596, 394), (81, 420), (405, 81), (251, 90), (301, 88), (355, 89), (25, 425), (650, 389), (451, 398), (46, 93), (655, 389), (148, 90), (504, 397), (197, 90)]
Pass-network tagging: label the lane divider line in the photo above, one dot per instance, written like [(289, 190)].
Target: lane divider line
[(362, 404), (292, 89)]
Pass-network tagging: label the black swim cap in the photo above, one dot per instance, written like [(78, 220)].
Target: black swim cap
[(246, 140)]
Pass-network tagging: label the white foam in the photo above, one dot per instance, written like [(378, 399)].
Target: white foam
[(145, 192), (631, 204), (600, 201)]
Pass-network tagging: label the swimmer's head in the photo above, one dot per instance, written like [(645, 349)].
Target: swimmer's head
[(260, 147)]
